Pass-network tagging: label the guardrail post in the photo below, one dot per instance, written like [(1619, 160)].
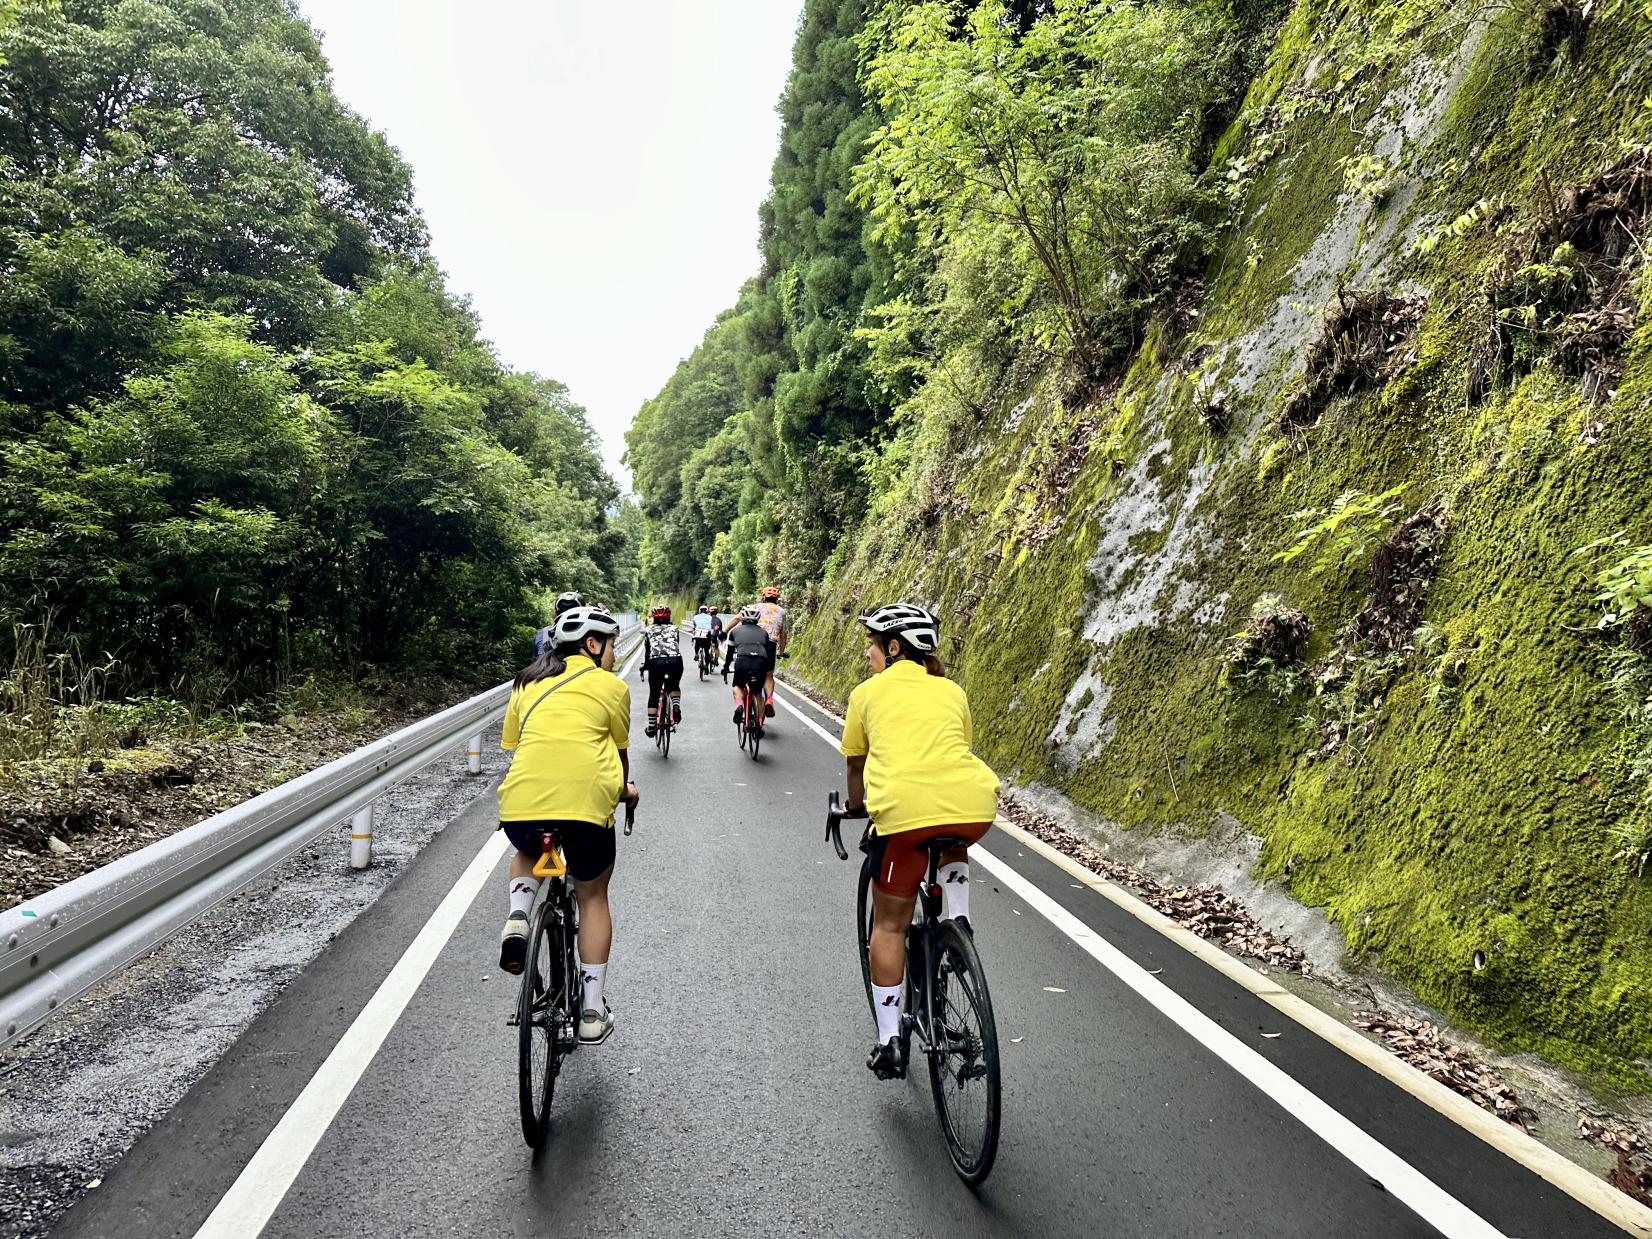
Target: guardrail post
[(361, 838), (474, 753)]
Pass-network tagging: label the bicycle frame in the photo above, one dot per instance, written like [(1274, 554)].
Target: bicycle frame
[(919, 1017)]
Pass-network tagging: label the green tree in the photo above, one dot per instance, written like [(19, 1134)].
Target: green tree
[(1077, 134), (201, 140)]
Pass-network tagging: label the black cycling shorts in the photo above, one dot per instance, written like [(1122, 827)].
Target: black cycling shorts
[(589, 848), (753, 671), (663, 674)]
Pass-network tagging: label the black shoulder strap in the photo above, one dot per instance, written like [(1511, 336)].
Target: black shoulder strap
[(522, 727)]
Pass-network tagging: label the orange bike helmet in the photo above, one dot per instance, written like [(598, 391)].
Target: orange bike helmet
[(771, 593)]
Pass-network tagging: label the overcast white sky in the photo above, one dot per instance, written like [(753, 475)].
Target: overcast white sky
[(591, 171)]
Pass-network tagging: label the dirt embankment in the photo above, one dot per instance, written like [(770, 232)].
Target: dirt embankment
[(63, 817)]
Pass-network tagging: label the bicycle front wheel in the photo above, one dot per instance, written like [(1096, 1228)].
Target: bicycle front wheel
[(537, 1018), (963, 1054), (863, 931)]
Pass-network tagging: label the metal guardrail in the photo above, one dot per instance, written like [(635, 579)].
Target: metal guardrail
[(56, 946)]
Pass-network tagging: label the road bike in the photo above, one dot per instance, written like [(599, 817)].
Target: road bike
[(548, 1003), (706, 658), (945, 1007), (749, 730), (663, 724)]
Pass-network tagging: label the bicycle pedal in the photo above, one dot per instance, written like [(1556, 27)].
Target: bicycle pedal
[(513, 1020)]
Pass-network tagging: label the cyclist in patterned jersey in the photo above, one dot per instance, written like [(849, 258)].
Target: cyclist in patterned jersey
[(662, 662), (907, 735), (772, 616)]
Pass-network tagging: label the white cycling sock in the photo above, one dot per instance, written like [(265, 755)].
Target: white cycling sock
[(522, 892), (886, 1001), (593, 975), (954, 889)]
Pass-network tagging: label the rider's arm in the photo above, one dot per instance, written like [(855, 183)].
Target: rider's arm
[(857, 782), (512, 733), (619, 731), (854, 748)]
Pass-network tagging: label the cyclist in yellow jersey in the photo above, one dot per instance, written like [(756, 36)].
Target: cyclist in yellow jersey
[(568, 722), (907, 736), (771, 616)]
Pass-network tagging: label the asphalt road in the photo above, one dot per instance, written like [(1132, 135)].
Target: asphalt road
[(732, 1098)]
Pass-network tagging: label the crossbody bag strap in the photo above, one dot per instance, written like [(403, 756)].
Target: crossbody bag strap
[(522, 727)]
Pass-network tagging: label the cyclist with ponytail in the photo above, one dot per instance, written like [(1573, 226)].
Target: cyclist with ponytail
[(568, 723), (907, 736)]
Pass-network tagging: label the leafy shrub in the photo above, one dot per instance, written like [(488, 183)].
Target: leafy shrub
[(1343, 533)]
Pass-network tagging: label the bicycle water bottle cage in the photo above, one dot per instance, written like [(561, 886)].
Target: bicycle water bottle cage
[(551, 863)]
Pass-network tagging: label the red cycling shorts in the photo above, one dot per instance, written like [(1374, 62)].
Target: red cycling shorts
[(902, 861)]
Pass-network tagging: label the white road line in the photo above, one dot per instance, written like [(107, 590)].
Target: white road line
[(1430, 1202), (812, 703), (263, 1183), (806, 720)]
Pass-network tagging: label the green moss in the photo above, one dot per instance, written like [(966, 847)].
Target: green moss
[(1475, 819)]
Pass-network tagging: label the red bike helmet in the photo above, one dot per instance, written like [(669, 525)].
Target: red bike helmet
[(660, 613)]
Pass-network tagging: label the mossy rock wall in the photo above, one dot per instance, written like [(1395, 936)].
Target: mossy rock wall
[(1474, 818)]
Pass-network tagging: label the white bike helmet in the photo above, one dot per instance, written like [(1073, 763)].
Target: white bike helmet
[(915, 626), (574, 626), (750, 613), (567, 602)]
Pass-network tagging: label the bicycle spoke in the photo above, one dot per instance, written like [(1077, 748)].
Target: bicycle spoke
[(963, 1058)]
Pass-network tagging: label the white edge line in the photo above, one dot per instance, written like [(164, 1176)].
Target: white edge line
[(1588, 1189), (1583, 1186), (1407, 1184), (807, 721), (258, 1191), (809, 701), (246, 1208)]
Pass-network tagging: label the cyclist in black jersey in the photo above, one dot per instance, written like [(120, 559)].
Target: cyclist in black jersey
[(751, 654)]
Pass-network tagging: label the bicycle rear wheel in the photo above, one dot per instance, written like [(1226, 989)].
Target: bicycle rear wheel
[(665, 739), (963, 1057), (538, 1018), (863, 930), (755, 737)]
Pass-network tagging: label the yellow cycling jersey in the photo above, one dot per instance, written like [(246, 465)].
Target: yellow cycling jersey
[(567, 765), (915, 730)]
